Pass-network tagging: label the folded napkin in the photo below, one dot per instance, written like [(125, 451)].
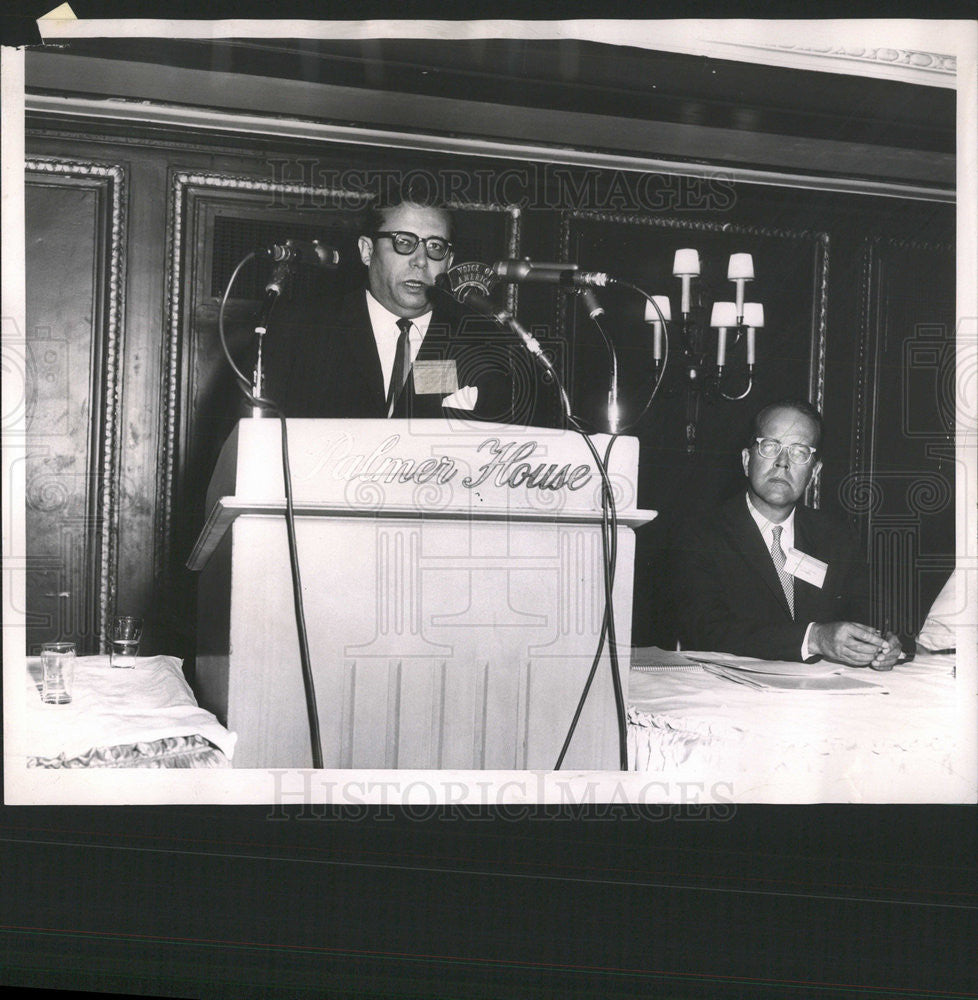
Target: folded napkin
[(110, 707), (462, 399)]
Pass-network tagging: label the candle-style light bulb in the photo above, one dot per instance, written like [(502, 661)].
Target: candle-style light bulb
[(753, 320), (685, 266), (652, 316), (740, 270), (723, 316)]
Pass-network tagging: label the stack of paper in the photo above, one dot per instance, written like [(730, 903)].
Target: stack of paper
[(781, 675), (653, 658)]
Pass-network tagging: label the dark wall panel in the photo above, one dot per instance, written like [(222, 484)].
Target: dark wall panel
[(65, 341), (902, 487)]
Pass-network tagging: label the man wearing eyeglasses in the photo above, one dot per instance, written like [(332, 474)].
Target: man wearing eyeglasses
[(771, 578), (381, 351)]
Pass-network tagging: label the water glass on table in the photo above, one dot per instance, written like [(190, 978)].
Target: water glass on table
[(124, 634), (57, 672)]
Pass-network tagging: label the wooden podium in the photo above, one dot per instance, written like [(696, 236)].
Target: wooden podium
[(452, 578)]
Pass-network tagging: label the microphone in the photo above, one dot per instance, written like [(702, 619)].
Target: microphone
[(286, 255), (312, 252), (469, 296), (591, 303), (476, 300), (276, 285), (481, 303), (538, 272)]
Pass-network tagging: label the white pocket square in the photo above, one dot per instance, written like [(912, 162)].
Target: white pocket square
[(462, 399)]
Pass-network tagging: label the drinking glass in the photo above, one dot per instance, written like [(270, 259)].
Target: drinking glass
[(124, 634), (57, 672)]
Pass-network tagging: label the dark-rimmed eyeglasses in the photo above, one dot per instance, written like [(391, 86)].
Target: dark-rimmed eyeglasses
[(436, 247), (799, 454)]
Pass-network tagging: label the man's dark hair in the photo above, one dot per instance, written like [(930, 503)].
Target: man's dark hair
[(415, 189), (799, 405)]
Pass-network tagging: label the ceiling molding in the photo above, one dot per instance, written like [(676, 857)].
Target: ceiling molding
[(935, 69), (87, 86), (918, 51), (198, 120)]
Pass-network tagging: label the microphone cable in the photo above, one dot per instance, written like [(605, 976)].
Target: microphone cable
[(665, 361), (609, 543), (262, 403), (609, 537), (610, 546)]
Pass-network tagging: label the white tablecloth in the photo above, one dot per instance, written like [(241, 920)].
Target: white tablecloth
[(111, 706), (900, 742)]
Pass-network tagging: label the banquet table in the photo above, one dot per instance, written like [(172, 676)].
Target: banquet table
[(143, 717), (904, 736)]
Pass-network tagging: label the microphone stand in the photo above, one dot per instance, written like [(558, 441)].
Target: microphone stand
[(273, 290), (259, 404), (595, 311)]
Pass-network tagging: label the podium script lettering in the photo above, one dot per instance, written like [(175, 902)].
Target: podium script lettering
[(510, 464)]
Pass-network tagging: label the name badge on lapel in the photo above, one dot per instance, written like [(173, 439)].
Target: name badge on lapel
[(434, 376), (805, 567)]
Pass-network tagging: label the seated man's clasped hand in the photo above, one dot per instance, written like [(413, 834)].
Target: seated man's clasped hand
[(854, 645), (765, 576)]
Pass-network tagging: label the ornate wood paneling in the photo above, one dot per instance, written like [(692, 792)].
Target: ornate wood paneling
[(901, 484), (75, 279)]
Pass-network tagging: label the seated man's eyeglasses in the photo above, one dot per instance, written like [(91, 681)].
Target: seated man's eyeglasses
[(405, 243), (799, 454)]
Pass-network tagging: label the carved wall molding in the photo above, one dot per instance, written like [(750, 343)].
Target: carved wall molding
[(922, 67), (858, 459), (914, 59), (513, 235), (104, 500), (816, 382)]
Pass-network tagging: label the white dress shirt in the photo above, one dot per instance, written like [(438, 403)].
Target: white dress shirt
[(386, 332), (766, 528)]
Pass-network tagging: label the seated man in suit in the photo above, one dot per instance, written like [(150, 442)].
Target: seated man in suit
[(773, 579), (383, 351)]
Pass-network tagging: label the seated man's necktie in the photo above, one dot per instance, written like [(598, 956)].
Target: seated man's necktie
[(787, 581)]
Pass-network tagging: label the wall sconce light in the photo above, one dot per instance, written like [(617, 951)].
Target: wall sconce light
[(735, 322)]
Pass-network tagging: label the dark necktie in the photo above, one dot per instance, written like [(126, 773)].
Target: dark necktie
[(402, 364), (777, 554)]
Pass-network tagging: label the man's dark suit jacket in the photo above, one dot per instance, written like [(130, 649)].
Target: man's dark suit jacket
[(729, 598), (323, 362)]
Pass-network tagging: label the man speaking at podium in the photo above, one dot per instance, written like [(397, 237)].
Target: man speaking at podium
[(773, 579), (384, 351)]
